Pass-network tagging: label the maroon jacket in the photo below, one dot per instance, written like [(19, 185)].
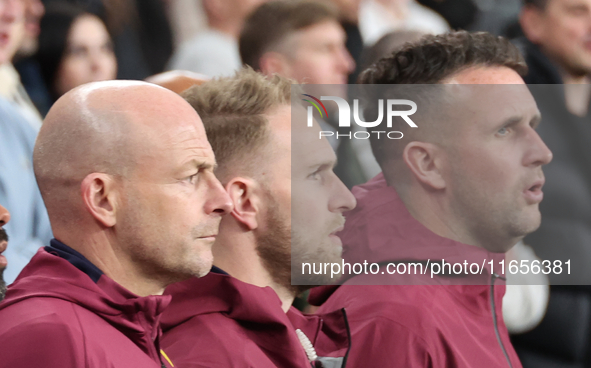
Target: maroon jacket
[(62, 312), (220, 321), (415, 321)]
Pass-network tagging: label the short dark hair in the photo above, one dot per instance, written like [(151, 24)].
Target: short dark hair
[(432, 60), (273, 21), (436, 57)]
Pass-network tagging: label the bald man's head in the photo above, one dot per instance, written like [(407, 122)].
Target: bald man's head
[(99, 127), (125, 167)]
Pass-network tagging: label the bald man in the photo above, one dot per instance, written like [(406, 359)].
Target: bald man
[(126, 173)]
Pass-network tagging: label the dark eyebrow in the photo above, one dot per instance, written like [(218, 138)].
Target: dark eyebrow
[(535, 120)]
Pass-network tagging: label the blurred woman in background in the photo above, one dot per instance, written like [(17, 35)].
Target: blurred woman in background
[(74, 48)]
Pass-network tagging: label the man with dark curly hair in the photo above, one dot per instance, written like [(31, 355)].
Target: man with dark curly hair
[(464, 185)]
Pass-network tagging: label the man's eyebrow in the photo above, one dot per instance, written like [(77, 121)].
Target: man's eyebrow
[(207, 165), (511, 121), (328, 164), (535, 120), (201, 165)]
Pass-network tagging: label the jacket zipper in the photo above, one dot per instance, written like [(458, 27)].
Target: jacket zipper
[(346, 319), (494, 315), (318, 364)]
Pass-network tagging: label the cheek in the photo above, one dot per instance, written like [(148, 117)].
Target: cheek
[(309, 214), (313, 68), (485, 168), (570, 30), (108, 66), (72, 73), (112, 67)]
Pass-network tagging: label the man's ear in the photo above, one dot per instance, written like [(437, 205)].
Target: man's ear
[(246, 197), (100, 195), (424, 161), (531, 23), (273, 62)]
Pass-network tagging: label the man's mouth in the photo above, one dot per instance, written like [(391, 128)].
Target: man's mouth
[(534, 193)]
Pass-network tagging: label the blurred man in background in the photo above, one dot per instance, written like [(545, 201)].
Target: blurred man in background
[(24, 60), (301, 40), (24, 44), (214, 52), (307, 44)]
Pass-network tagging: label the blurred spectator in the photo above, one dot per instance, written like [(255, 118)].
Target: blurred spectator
[(29, 228), (557, 49), (74, 49), (22, 41), (34, 10), (349, 18), (558, 34), (27, 66), (306, 44), (214, 52), (301, 40), (140, 30), (378, 17)]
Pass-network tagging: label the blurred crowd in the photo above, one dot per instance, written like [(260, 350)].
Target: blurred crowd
[(49, 47)]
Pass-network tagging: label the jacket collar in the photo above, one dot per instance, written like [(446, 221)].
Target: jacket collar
[(273, 331), (73, 278)]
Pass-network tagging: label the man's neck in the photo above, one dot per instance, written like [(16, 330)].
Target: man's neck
[(226, 28), (431, 215), (101, 252), (258, 276), (243, 263)]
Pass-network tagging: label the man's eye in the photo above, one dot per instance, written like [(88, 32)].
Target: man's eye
[(192, 179), (503, 131)]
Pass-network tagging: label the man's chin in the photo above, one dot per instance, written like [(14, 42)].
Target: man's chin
[(533, 221), (316, 273)]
